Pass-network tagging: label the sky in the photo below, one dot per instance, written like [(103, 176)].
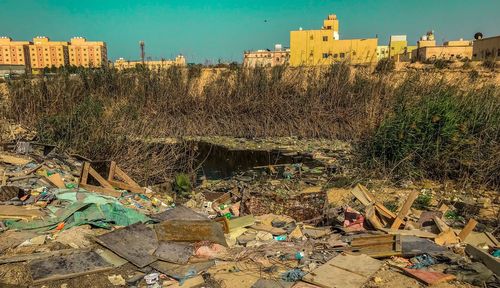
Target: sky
[(223, 29)]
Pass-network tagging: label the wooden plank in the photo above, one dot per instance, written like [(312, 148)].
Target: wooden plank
[(85, 173), (384, 211), (491, 262), (372, 217), (440, 224), (19, 212), (9, 159), (362, 194), (240, 222), (467, 229), (125, 186), (112, 167), (447, 237), (57, 180), (418, 233), (404, 210), (99, 178), (119, 172), (102, 190)]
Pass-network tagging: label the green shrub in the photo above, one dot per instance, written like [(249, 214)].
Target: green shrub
[(442, 63)]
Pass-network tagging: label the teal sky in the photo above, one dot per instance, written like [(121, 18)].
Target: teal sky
[(213, 29)]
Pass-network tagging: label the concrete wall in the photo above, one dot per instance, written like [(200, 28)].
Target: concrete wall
[(487, 48), (444, 52)]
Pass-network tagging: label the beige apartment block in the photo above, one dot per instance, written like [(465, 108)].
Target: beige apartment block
[(122, 64), (14, 52), (83, 53), (44, 53), (266, 58)]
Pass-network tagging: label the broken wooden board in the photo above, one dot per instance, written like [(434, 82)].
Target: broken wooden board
[(179, 271), (19, 212), (127, 183), (57, 180), (377, 246), (105, 188), (136, 243), (344, 270), (67, 266), (481, 239), (190, 231), (418, 233), (404, 210), (240, 222), (14, 160), (362, 194), (467, 229), (480, 255), (174, 252), (429, 277), (447, 237)]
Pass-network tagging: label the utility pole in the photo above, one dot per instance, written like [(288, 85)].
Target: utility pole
[(143, 54)]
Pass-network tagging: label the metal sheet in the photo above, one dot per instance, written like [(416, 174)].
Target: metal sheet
[(190, 231), (136, 243), (67, 266), (175, 252)]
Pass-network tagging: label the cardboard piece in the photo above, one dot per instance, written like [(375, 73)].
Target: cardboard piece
[(344, 270)]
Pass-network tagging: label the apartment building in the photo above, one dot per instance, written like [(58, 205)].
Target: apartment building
[(266, 58), (428, 50), (122, 64), (324, 46), (83, 53), (44, 53), (14, 52)]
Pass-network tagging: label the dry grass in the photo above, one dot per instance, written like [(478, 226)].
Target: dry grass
[(97, 112)]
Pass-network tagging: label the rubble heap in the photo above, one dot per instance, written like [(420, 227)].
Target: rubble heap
[(66, 220)]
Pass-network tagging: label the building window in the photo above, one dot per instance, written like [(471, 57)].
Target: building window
[(335, 55), (342, 55), (329, 27), (311, 37), (325, 55), (353, 53), (325, 38), (498, 52)]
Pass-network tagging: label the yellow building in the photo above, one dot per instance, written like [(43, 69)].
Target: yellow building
[(397, 45), (87, 53), (46, 54), (14, 52), (382, 52), (121, 63), (324, 47), (486, 48)]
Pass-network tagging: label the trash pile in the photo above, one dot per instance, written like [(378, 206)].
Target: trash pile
[(68, 221)]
